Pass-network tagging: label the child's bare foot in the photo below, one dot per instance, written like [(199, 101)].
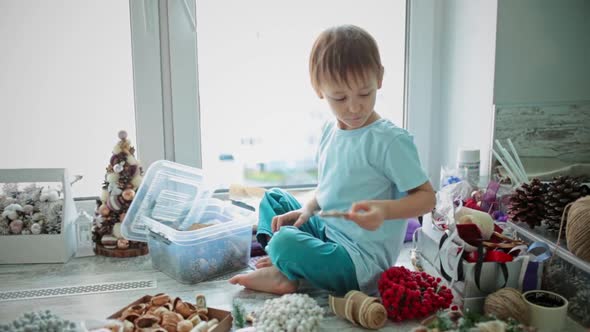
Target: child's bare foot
[(263, 262), (267, 279)]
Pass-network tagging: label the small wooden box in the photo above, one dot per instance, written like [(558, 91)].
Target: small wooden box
[(224, 317), (42, 248)]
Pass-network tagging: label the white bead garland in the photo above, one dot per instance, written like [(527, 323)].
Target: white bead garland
[(291, 313)]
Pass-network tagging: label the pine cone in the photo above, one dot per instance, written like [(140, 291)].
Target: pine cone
[(527, 205), (560, 192)]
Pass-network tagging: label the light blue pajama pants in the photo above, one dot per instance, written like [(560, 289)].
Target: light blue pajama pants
[(305, 252)]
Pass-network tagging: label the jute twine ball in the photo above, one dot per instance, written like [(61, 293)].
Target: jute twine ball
[(577, 232), (507, 303)]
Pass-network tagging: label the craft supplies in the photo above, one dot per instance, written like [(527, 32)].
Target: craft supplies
[(331, 214), (507, 303), (162, 312), (577, 232), (512, 164), (291, 312), (39, 321), (484, 221), (359, 308), (410, 295), (548, 310)]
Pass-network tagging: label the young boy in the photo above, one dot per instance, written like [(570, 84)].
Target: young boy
[(367, 167)]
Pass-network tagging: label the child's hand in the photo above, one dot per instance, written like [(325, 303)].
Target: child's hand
[(369, 215), (292, 218)]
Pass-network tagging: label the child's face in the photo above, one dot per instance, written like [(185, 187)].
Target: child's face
[(353, 103)]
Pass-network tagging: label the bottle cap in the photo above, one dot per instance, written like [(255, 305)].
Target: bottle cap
[(468, 156)]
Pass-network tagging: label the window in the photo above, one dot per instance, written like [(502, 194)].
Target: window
[(66, 85), (260, 119)]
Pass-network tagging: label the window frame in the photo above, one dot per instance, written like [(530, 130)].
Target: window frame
[(164, 37)]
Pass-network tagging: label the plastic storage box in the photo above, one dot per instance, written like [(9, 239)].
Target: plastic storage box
[(168, 211)]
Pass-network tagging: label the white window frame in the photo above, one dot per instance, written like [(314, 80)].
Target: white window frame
[(165, 83), (421, 81), (164, 49)]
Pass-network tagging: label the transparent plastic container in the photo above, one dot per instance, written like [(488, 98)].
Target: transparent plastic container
[(173, 198)]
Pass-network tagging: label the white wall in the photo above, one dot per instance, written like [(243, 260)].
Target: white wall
[(65, 85), (463, 73)]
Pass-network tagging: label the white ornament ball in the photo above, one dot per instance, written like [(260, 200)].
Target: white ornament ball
[(118, 168), (11, 214), (14, 207), (122, 134), (36, 229), (16, 226), (28, 209)]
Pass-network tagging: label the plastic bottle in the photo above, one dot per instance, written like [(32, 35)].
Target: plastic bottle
[(468, 161)]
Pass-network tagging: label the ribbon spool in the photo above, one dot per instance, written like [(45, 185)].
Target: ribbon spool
[(507, 303), (577, 232), (359, 308)]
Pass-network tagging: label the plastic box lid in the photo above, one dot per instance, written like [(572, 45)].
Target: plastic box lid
[(171, 198)]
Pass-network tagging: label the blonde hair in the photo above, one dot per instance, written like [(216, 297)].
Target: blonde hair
[(341, 54)]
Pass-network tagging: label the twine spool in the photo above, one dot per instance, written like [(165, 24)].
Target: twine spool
[(577, 231), (507, 303), (358, 308)]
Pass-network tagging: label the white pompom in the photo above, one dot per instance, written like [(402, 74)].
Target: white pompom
[(112, 178), (117, 149), (131, 160), (290, 312), (136, 181), (44, 197), (52, 196)]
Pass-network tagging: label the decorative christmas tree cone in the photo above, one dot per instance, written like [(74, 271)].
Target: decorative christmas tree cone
[(122, 179), (359, 308)]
